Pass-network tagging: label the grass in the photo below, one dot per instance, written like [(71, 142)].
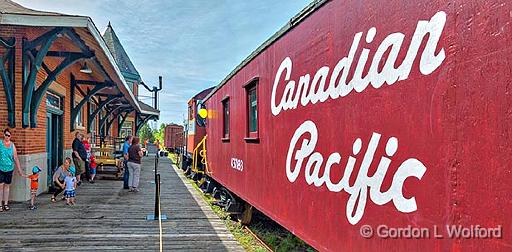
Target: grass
[(275, 236), (243, 236)]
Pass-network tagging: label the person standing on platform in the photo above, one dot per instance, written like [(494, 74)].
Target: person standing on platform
[(79, 156), (71, 184), (87, 146), (134, 163), (34, 186), (8, 158), (126, 147)]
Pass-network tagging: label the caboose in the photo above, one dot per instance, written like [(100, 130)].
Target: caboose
[(361, 122), (173, 137), (196, 128)]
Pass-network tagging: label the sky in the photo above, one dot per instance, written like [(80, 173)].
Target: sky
[(193, 44)]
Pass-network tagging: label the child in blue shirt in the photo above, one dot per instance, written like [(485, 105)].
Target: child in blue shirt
[(70, 182)]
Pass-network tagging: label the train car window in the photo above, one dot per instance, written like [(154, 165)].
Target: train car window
[(252, 110), (225, 115)]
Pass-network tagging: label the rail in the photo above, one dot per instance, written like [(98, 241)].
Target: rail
[(258, 239)]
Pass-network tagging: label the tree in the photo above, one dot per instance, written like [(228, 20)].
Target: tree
[(146, 133), (160, 133)]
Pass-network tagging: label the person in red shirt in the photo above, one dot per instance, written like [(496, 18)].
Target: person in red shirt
[(92, 167), (88, 175), (34, 186)]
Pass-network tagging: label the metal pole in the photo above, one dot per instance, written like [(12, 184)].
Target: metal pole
[(157, 214), (157, 197), (156, 165)]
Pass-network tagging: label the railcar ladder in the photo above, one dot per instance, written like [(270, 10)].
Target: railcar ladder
[(200, 153)]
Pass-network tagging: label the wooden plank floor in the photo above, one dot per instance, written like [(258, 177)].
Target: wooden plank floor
[(107, 217)]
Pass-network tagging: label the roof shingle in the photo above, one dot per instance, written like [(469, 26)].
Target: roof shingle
[(121, 57)]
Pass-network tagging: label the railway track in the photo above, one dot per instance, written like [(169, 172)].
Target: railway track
[(258, 239)]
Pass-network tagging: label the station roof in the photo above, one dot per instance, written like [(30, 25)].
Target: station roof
[(125, 64), (116, 48), (146, 109), (14, 14), (9, 7)]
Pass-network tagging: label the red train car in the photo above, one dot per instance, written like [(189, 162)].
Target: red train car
[(375, 125), (173, 137), (195, 132)]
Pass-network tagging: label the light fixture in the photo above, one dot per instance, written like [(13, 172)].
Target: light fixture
[(85, 69)]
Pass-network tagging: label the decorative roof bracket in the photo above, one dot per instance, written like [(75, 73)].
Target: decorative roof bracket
[(106, 118), (33, 61), (123, 119), (140, 120), (7, 74), (101, 105), (75, 109)]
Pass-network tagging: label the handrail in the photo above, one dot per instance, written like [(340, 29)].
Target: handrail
[(201, 150)]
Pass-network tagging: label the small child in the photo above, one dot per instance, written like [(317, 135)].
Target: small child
[(70, 182), (34, 185), (93, 166)]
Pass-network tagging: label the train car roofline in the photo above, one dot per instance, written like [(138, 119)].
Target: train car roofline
[(294, 21)]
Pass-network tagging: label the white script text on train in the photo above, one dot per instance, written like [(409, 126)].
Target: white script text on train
[(307, 91), (305, 153)]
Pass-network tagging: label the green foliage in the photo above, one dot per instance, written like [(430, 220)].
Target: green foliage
[(277, 237), (146, 133), (160, 133)]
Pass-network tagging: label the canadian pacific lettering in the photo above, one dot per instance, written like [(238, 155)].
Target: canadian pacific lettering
[(332, 84), (307, 91), (304, 153)]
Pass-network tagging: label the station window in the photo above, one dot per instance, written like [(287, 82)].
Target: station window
[(225, 119), (90, 109), (79, 118), (252, 110)]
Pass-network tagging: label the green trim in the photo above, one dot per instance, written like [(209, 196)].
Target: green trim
[(54, 111), (131, 76), (7, 75), (45, 41)]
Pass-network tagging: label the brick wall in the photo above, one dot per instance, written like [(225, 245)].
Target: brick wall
[(33, 140)]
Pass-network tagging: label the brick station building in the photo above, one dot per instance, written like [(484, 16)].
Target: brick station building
[(60, 75)]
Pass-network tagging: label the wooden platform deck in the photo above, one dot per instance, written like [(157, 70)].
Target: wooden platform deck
[(107, 217)]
